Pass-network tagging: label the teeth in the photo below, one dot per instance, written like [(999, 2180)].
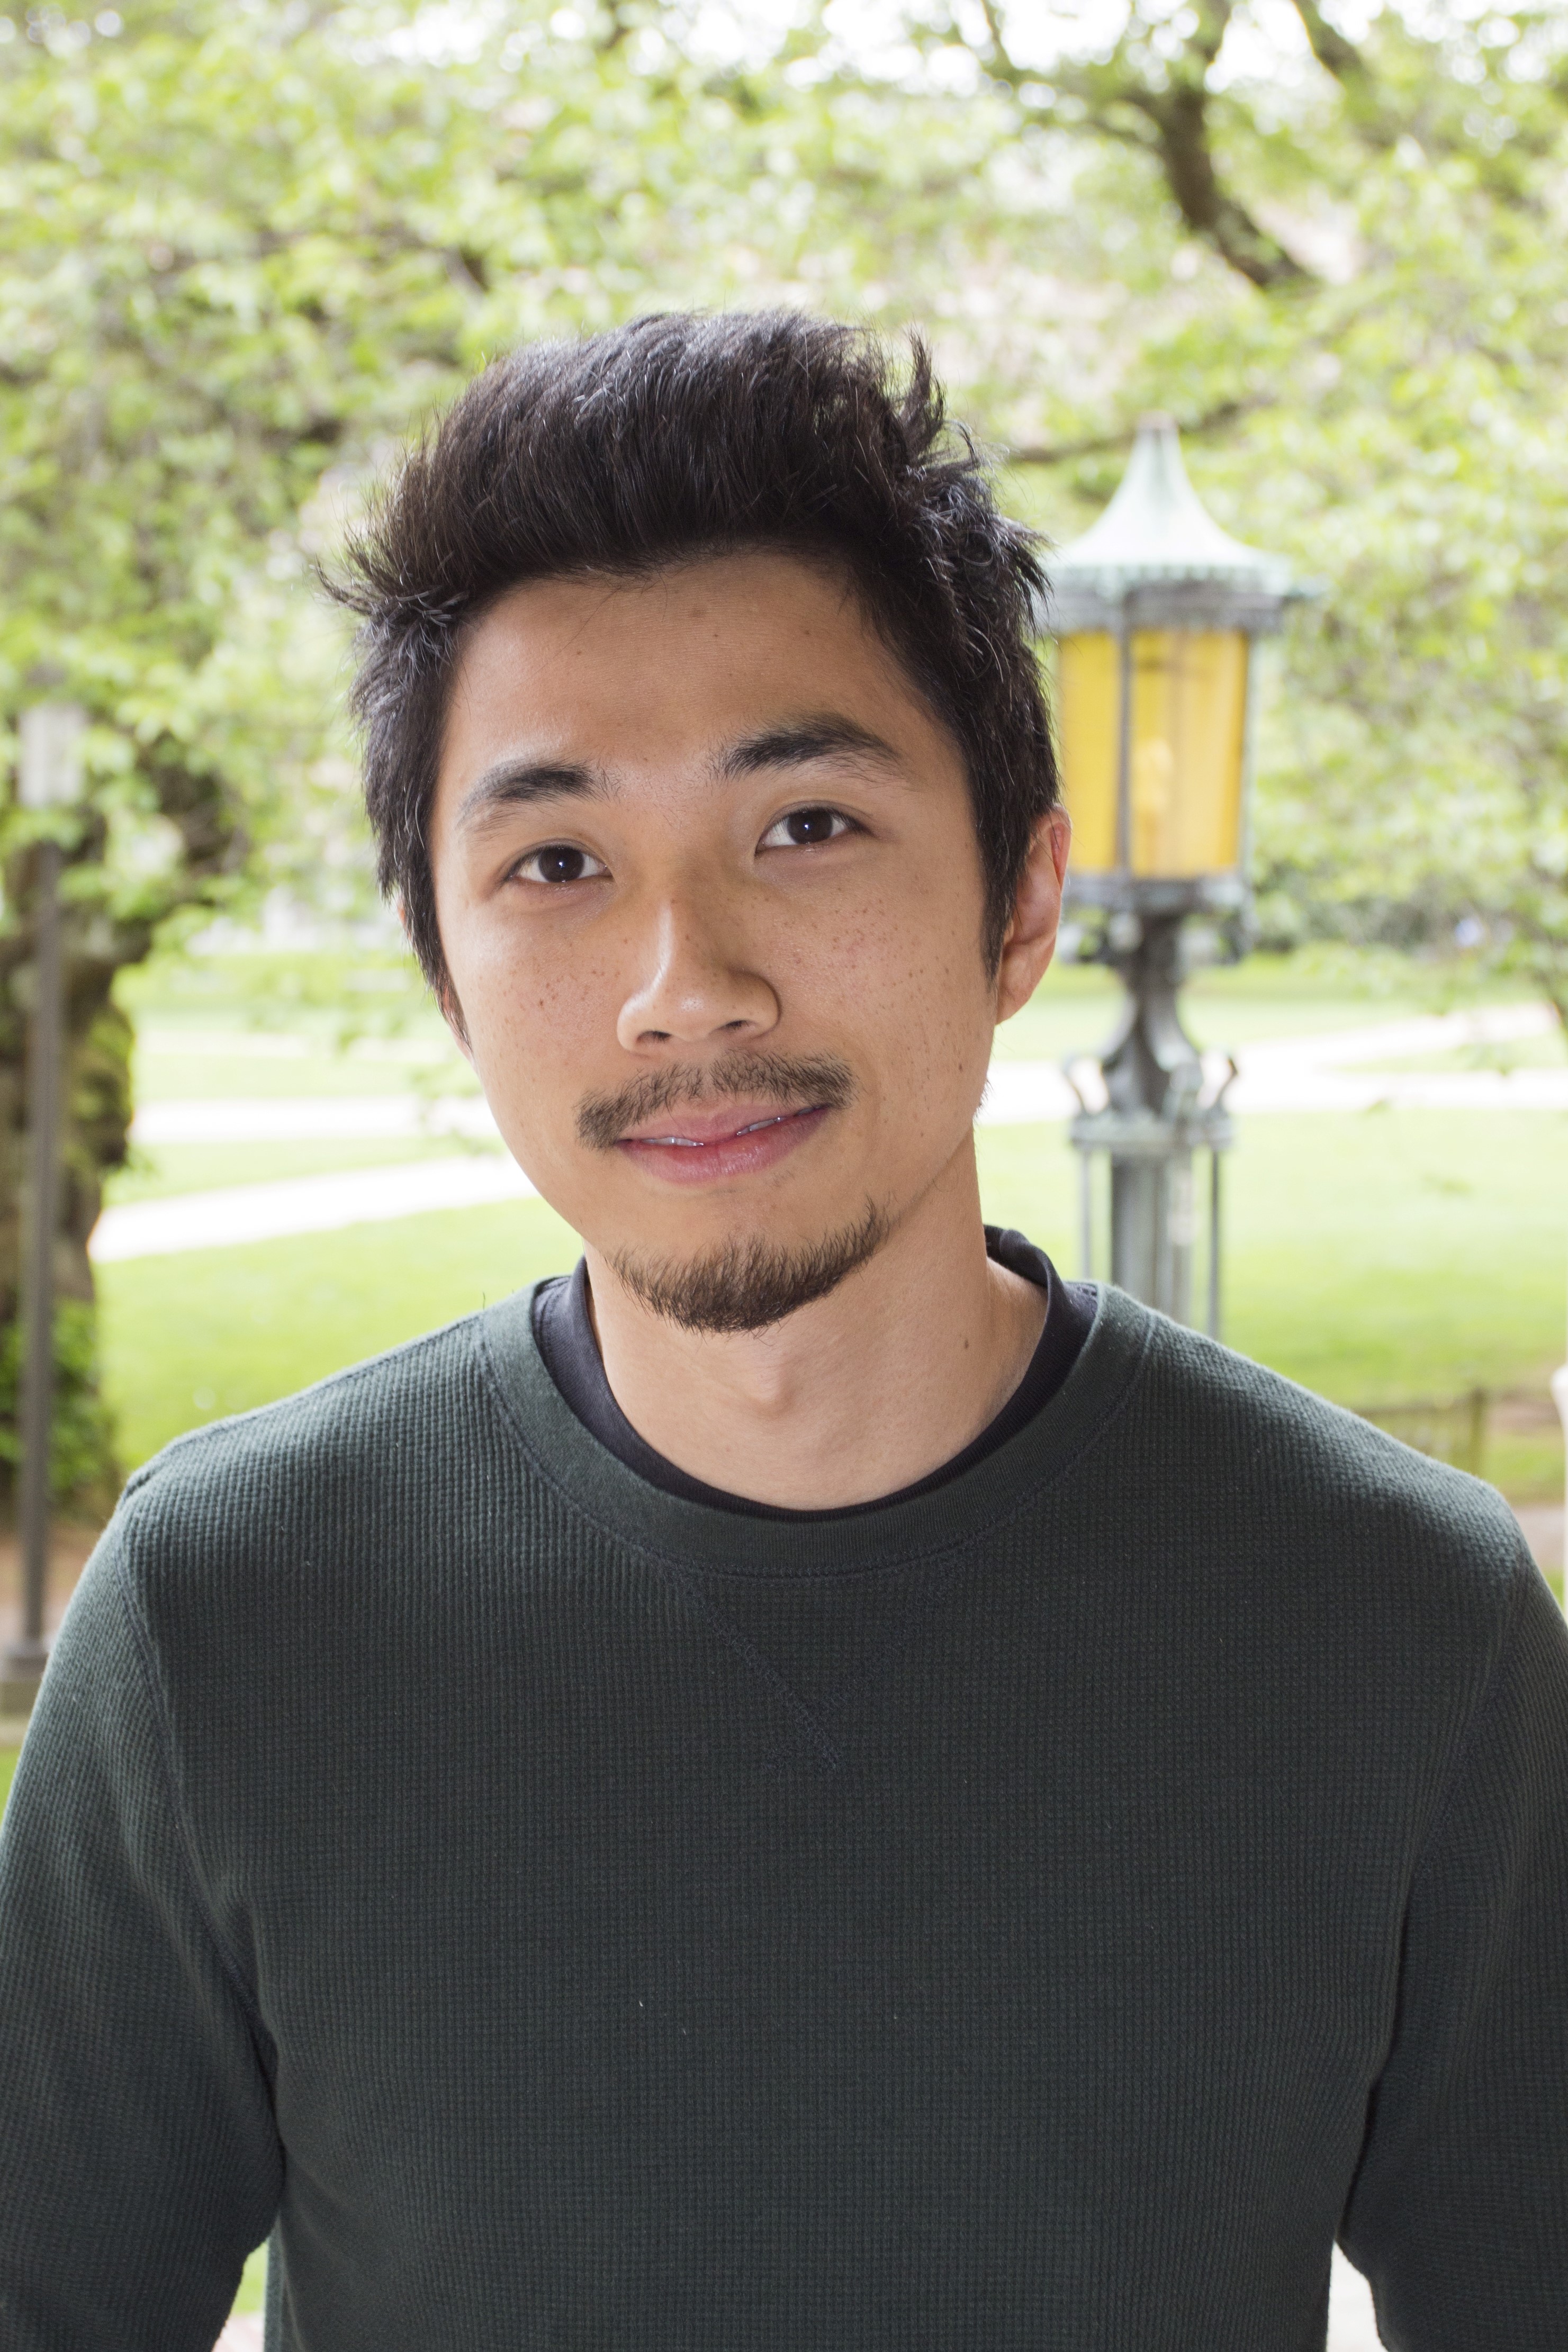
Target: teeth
[(690, 1142)]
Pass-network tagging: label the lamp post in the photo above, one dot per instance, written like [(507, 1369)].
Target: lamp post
[(49, 778), (1154, 612)]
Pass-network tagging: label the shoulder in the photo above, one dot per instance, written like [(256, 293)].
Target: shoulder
[(370, 1459), (361, 1414), (1279, 1473)]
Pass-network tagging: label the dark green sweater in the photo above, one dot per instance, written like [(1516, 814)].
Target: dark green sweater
[(1039, 1915)]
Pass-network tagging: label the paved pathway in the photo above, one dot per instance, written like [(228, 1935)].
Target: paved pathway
[(1332, 1072), (303, 1205), (310, 1118), (1300, 1074)]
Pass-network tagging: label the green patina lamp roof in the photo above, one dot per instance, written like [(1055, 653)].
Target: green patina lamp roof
[(1156, 530)]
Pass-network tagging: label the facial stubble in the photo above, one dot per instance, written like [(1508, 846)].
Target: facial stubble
[(752, 1282)]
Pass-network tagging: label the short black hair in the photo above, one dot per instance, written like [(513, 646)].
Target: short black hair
[(671, 439)]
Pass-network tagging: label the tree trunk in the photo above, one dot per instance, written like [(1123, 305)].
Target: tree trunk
[(95, 1131)]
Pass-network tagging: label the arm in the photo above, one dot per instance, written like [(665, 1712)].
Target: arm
[(138, 2159), (1459, 2211)]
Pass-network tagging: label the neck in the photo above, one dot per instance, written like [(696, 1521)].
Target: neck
[(857, 1395)]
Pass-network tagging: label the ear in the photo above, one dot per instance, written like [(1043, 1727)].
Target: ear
[(1031, 938)]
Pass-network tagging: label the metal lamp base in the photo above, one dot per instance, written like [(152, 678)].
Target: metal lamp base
[(1153, 1119)]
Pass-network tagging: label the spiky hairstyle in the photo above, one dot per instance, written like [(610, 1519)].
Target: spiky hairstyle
[(665, 441)]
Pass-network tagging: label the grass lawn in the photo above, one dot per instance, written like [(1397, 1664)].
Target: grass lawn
[(159, 1171), (188, 1337), (1377, 1256), (1380, 1257)]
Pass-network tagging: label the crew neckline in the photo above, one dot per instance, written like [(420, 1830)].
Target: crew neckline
[(629, 1510), (563, 1331)]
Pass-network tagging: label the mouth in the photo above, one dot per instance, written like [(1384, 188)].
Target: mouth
[(697, 1131), (706, 1147)]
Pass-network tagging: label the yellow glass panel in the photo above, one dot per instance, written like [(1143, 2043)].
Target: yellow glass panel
[(1088, 725), (1189, 724)]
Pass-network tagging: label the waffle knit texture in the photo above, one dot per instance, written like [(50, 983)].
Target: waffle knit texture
[(1034, 1917)]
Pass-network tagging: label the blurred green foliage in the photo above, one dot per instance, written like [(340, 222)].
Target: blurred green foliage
[(247, 246), (1350, 269), (80, 1472)]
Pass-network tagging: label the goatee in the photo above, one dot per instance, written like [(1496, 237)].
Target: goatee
[(746, 1285)]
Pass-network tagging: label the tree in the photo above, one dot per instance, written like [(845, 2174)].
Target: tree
[(246, 247), (1350, 285), (242, 247)]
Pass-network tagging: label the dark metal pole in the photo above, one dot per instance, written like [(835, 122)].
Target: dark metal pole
[(26, 1659), (1155, 1114), (1152, 1071), (49, 777)]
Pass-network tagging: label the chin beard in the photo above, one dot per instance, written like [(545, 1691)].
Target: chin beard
[(745, 1286)]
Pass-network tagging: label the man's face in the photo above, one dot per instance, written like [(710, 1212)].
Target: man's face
[(711, 901)]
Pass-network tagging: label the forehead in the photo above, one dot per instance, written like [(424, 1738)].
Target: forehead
[(636, 671)]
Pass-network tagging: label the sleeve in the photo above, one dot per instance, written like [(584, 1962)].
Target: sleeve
[(1459, 2213), (138, 2159)]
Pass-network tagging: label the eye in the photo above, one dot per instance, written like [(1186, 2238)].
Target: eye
[(558, 862), (804, 828)]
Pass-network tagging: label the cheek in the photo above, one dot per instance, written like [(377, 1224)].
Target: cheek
[(907, 957), (529, 1007)]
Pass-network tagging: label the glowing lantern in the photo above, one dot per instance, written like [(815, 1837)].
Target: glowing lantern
[(1155, 611)]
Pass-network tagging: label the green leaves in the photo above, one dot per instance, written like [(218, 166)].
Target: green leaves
[(242, 249)]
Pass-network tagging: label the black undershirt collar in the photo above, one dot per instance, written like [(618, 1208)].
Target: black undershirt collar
[(564, 1329)]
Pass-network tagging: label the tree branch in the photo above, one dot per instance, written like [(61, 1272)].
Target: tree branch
[(1342, 59), (1066, 453), (1333, 52), (1180, 119), (1175, 111)]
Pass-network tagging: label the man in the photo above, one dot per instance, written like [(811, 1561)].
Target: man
[(811, 1787)]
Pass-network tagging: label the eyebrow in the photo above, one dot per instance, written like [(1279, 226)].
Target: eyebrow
[(509, 784), (512, 783), (801, 741)]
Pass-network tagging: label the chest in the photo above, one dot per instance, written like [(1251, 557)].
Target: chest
[(731, 1984)]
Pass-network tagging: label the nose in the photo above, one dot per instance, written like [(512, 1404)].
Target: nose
[(695, 990)]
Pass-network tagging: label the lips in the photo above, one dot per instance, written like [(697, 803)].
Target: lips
[(698, 1131), (716, 1146)]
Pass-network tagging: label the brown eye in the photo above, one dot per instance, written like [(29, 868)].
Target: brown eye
[(558, 862), (804, 828)]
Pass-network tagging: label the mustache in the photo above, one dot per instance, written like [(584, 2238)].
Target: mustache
[(797, 1081)]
